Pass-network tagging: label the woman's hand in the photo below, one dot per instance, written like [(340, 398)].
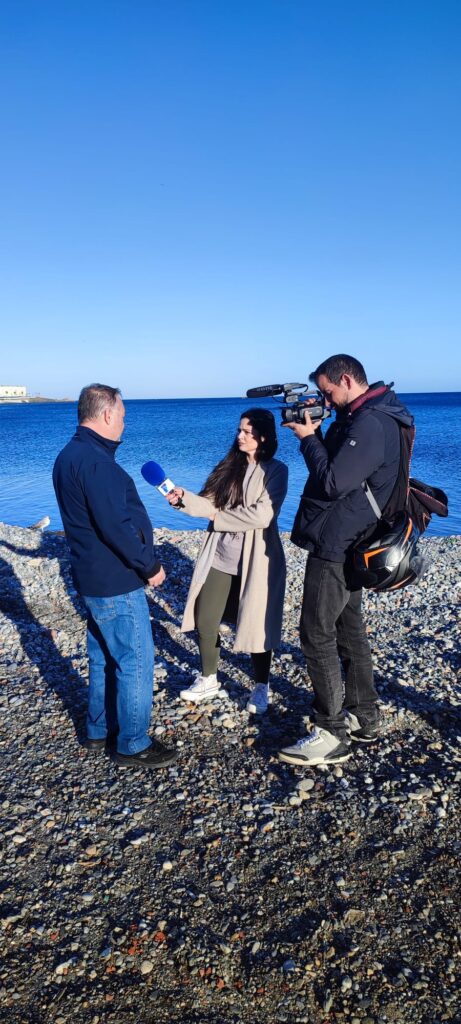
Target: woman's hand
[(175, 496)]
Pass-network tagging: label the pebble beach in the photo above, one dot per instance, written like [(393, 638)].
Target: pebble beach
[(230, 887)]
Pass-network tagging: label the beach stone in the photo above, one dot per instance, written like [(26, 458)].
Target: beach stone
[(63, 967), (305, 785), (327, 1001)]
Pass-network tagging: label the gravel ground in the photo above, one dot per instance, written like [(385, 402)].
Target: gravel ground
[(230, 888)]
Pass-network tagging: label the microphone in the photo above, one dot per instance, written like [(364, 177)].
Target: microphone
[(155, 475), (266, 391)]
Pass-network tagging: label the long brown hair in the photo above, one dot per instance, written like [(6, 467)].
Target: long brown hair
[(224, 485)]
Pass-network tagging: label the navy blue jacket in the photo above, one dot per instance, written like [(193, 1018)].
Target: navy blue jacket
[(106, 525), (363, 443)]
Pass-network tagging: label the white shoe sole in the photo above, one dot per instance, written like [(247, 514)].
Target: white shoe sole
[(306, 761), (197, 698)]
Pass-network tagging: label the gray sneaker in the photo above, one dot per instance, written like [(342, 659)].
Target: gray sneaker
[(361, 733), (318, 747)]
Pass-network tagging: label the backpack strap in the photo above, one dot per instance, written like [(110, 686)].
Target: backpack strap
[(371, 498), (398, 499)]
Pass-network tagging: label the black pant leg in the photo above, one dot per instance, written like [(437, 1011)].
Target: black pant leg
[(325, 598)]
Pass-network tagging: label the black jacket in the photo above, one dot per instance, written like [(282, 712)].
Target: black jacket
[(363, 443), (106, 525)]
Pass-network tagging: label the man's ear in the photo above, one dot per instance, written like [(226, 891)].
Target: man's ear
[(348, 380), (107, 414)]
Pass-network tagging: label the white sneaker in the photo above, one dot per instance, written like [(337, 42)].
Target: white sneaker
[(318, 747), (259, 700), (203, 688)]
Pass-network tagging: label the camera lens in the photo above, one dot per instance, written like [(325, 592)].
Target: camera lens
[(293, 414)]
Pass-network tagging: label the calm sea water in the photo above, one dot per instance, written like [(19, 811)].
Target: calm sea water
[(188, 437)]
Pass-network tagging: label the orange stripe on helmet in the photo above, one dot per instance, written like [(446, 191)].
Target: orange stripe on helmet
[(369, 554), (402, 582)]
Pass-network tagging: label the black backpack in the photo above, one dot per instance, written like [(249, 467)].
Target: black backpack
[(419, 500)]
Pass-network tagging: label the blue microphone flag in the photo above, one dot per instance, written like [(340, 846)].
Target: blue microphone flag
[(153, 473)]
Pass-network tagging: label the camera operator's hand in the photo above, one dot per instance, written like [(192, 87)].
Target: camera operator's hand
[(175, 496), (306, 429)]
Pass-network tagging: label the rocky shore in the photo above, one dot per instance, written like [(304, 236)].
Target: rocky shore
[(229, 888)]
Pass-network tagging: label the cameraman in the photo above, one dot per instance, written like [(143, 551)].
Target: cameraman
[(363, 443)]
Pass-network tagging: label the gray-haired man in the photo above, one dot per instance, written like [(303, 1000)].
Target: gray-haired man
[(113, 559)]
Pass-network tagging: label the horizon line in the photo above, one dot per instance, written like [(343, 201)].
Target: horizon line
[(190, 398)]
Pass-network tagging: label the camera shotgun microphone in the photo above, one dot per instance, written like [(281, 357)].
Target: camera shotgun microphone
[(266, 391), (155, 475)]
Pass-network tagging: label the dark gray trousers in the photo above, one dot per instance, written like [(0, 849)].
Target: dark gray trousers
[(333, 635)]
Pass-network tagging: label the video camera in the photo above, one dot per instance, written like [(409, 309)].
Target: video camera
[(292, 405)]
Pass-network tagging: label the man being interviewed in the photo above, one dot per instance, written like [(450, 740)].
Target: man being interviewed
[(112, 558), (363, 443)]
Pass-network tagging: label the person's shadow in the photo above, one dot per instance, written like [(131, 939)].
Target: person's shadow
[(56, 670)]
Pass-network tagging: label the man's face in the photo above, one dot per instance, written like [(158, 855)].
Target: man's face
[(337, 396), (116, 423)]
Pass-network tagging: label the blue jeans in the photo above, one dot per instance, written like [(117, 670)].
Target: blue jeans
[(121, 670), (333, 635)]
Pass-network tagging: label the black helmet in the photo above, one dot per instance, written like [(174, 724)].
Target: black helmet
[(388, 560)]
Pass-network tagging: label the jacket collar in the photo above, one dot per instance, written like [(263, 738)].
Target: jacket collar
[(87, 434), (374, 391)]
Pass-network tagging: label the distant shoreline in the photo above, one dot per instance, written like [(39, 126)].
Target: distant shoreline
[(33, 401), (38, 399)]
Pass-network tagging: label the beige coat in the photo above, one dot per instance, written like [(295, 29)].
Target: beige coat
[(259, 620)]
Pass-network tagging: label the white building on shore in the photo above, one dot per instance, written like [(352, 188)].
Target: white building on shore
[(13, 393)]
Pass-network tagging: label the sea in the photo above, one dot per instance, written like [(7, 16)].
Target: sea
[(188, 437)]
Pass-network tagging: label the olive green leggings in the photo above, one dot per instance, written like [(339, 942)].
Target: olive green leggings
[(218, 588)]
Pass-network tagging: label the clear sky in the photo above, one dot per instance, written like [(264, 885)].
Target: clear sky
[(200, 196)]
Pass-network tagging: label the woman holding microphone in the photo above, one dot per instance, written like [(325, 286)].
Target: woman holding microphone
[(240, 571)]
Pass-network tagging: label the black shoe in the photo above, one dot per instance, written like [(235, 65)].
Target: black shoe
[(93, 745), (98, 745), (156, 756)]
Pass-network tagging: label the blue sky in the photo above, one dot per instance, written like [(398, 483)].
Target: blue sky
[(199, 196)]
